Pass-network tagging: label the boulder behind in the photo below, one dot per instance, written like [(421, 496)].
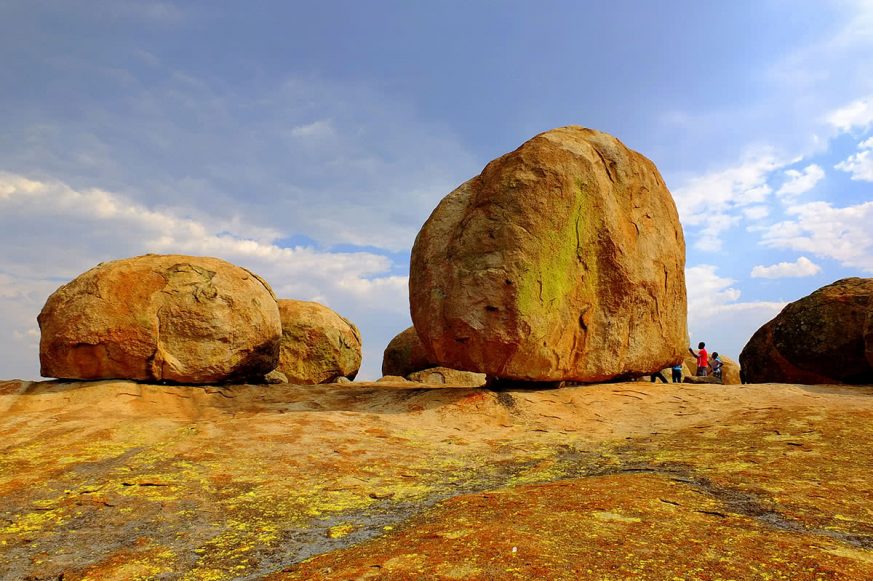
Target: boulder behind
[(318, 345), (826, 337)]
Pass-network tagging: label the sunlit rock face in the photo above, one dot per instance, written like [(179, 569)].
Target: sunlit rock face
[(176, 318), (318, 345), (826, 337), (563, 260)]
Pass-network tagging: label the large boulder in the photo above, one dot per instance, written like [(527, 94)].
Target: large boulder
[(318, 345), (175, 318), (563, 260), (405, 354), (826, 337)]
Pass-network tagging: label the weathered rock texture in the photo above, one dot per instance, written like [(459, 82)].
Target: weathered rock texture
[(826, 337), (318, 345), (446, 376), (405, 354), (173, 318), (730, 371), (563, 260), (114, 480)]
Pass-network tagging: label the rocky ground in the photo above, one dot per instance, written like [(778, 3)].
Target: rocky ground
[(119, 480)]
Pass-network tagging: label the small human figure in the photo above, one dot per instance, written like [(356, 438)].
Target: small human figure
[(659, 375), (677, 373), (715, 364), (702, 359)]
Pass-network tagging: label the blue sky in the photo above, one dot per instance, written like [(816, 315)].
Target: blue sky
[(310, 141)]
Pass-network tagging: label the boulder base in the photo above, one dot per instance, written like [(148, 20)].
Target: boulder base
[(563, 260), (446, 376), (175, 318), (826, 337)]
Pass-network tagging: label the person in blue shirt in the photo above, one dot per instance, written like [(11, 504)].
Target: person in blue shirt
[(677, 373)]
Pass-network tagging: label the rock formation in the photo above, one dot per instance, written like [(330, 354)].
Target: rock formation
[(405, 354), (826, 337), (563, 260), (318, 345), (446, 376), (730, 371), (172, 318)]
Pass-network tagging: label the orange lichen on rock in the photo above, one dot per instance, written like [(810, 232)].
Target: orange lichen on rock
[(117, 480)]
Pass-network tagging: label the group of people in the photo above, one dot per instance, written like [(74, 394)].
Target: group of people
[(706, 365)]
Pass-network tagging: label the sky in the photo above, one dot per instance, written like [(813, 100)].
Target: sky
[(309, 141)]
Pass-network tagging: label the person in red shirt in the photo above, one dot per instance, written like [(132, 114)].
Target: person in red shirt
[(702, 358)]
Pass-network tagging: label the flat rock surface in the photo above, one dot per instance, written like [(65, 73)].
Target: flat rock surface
[(119, 480)]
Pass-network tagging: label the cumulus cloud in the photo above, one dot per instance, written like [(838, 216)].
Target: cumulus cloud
[(860, 165), (715, 202), (338, 162), (843, 234), (800, 181), (799, 268), (857, 115), (53, 232)]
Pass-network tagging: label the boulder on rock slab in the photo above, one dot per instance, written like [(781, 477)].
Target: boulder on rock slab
[(730, 371), (446, 376), (562, 260), (826, 337), (405, 354), (318, 345), (175, 318)]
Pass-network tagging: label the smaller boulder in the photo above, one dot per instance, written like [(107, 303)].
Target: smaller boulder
[(318, 345), (393, 379), (446, 376), (703, 379), (405, 354), (826, 337), (730, 371), (275, 378)]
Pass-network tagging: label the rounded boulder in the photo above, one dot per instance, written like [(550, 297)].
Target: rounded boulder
[(405, 354), (176, 318), (318, 345), (826, 337), (562, 261)]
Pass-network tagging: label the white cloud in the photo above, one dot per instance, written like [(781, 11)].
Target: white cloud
[(860, 165), (756, 212), (53, 232), (800, 181), (800, 267), (843, 234), (716, 315), (337, 162), (856, 115), (317, 129), (716, 201)]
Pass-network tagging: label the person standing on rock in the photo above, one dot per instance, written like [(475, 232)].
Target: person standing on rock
[(702, 359)]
